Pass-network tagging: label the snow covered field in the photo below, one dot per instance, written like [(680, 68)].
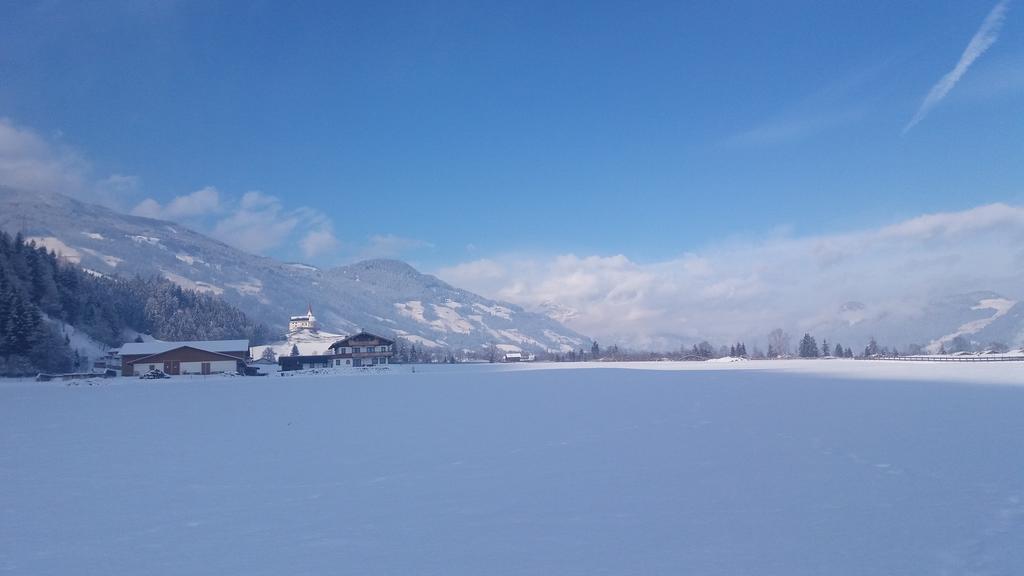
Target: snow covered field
[(787, 468)]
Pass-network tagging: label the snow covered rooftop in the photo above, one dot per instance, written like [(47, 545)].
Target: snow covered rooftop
[(156, 346)]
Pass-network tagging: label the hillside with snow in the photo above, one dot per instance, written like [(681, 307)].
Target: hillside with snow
[(980, 317), (307, 342), (383, 296)]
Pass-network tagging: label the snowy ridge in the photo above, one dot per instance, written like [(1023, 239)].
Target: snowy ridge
[(387, 297)]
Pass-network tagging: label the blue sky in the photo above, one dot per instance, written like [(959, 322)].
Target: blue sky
[(615, 159), (645, 129)]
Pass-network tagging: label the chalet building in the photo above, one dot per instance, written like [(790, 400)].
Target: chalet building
[(307, 322), (355, 351), (199, 357), (362, 349)]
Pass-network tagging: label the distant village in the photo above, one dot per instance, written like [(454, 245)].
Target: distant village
[(366, 351), (158, 359)]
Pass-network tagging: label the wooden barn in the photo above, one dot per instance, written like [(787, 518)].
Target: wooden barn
[(197, 357)]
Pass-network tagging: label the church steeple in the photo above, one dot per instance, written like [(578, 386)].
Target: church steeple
[(306, 322)]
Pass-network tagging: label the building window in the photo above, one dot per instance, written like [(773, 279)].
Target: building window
[(355, 350)]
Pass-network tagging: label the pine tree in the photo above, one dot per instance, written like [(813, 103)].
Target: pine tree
[(808, 347), (824, 347), (838, 352), (872, 348), (295, 350)]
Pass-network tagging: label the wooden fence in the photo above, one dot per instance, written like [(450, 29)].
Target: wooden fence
[(993, 358)]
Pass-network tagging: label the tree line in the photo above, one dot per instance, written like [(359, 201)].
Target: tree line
[(39, 294)]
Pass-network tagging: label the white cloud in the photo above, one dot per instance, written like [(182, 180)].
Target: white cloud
[(32, 162), (202, 202), (952, 224), (115, 190), (149, 208), (256, 222), (319, 242), (984, 38), (260, 224), (743, 290), (794, 127)]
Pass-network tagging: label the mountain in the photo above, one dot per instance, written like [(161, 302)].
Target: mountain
[(384, 296), (980, 317)]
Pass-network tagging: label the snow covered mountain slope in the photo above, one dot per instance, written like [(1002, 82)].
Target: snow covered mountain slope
[(980, 317), (383, 296)]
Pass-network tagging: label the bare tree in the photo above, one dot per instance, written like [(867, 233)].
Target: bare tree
[(778, 341)]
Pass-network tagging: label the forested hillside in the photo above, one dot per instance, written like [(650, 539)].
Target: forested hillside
[(38, 292)]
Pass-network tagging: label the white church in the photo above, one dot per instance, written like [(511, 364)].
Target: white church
[(307, 322)]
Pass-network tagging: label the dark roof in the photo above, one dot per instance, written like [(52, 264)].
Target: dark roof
[(361, 336), (286, 361)]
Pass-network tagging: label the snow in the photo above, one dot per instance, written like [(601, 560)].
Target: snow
[(158, 346), (448, 319), (565, 343), (250, 287), (498, 311), (94, 235), (197, 285), (762, 467), (57, 245), (88, 348), (309, 343), (151, 240), (111, 261), (412, 309), (418, 340), (999, 306), (516, 336), (727, 360)]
